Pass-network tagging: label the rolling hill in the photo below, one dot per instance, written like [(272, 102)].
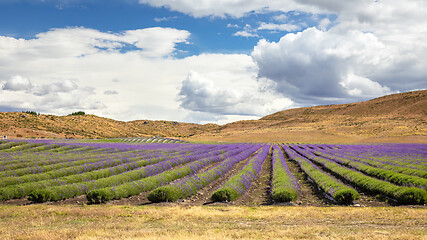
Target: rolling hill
[(394, 118), (16, 124)]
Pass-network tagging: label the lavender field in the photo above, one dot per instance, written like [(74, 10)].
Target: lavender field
[(51, 171)]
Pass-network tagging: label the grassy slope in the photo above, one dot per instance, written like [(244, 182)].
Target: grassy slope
[(145, 222), (393, 118)]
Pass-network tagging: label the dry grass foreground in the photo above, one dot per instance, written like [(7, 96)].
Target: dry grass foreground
[(201, 222)]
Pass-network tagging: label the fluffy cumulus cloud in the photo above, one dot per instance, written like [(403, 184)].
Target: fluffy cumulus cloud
[(64, 86), (374, 48), (369, 49), (315, 65), (126, 76), (70, 69), (21, 93), (17, 83), (202, 95)]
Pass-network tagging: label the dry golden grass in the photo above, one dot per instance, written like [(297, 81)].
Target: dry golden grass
[(302, 134), (394, 118), (26, 125), (172, 222)]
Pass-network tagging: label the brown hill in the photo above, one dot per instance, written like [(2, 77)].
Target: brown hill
[(408, 103), (394, 118), (16, 124)]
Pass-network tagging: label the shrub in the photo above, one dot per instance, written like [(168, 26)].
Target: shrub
[(163, 194), (31, 112), (224, 194), (97, 196), (79, 113), (40, 196)]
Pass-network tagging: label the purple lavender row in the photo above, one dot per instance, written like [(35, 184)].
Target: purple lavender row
[(402, 194), (391, 176), (129, 146), (44, 160), (93, 164), (72, 190), (237, 185), (330, 185), (8, 145), (21, 147), (146, 184), (417, 172), (361, 156), (405, 152), (374, 153), (32, 163), (284, 187), (22, 190), (190, 185), (63, 164)]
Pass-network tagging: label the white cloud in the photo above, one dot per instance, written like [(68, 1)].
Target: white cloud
[(281, 18), (278, 27), (17, 83), (201, 94), (164, 19), (357, 86), (20, 93), (315, 66), (91, 78), (64, 86), (77, 42), (232, 25), (234, 8), (373, 48), (110, 92), (249, 31), (156, 42), (324, 23), (245, 33)]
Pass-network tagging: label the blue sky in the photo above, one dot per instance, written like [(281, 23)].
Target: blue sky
[(204, 61), (25, 19)]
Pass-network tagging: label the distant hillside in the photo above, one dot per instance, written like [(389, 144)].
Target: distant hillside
[(394, 118), (408, 104), (16, 124)]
